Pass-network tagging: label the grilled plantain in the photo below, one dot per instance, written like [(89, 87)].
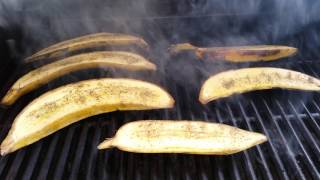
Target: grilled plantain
[(88, 41), (191, 137), (68, 104), (249, 79), (237, 54), (44, 74)]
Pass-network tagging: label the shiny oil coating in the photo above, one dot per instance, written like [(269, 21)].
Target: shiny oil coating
[(249, 79), (88, 41), (63, 106), (247, 53), (44, 74), (192, 137), (237, 53)]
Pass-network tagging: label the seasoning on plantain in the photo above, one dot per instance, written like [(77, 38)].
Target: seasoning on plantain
[(46, 73), (63, 106), (190, 137), (231, 82)]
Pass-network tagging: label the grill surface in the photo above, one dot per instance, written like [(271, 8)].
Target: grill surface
[(290, 119), (290, 122)]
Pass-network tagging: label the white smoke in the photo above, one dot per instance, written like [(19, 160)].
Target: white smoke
[(51, 21)]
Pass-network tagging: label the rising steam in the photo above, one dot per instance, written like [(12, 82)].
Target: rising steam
[(165, 22), (46, 22)]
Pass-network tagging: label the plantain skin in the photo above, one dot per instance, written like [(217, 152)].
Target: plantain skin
[(190, 137), (231, 82), (71, 103), (237, 53), (88, 41), (46, 73)]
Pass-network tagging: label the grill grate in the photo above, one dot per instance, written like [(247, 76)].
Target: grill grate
[(290, 120)]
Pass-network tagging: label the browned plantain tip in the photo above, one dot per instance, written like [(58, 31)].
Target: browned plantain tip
[(106, 144), (177, 48), (6, 147)]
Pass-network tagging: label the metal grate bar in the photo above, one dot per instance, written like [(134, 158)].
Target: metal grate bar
[(265, 165), (216, 160), (104, 157), (310, 163), (273, 149), (79, 152), (72, 153), (61, 162), (236, 173), (121, 171), (4, 162), (45, 166), (247, 157), (93, 152), (3, 159), (35, 154), (290, 153), (311, 117), (16, 164), (131, 167), (205, 163), (306, 130)]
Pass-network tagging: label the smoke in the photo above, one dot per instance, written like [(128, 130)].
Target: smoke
[(164, 22), (46, 22), (161, 23)]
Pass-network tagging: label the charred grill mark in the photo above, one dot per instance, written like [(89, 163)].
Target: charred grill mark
[(189, 129), (147, 94), (277, 75), (213, 54), (202, 127), (310, 79), (248, 79), (261, 53), (80, 99), (289, 75), (228, 83), (95, 95), (266, 76)]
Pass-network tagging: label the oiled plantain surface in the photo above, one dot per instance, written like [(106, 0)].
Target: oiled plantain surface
[(71, 103), (231, 82), (237, 53), (46, 73), (191, 137), (88, 41)]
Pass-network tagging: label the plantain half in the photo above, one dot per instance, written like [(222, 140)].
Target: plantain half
[(231, 82), (68, 104), (88, 41), (46, 73), (191, 137), (237, 53)]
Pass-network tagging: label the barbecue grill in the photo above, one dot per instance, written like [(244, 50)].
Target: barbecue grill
[(290, 119)]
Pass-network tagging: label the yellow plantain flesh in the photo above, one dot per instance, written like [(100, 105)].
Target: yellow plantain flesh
[(237, 53), (63, 106), (88, 41), (231, 82), (190, 137), (44, 74)]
